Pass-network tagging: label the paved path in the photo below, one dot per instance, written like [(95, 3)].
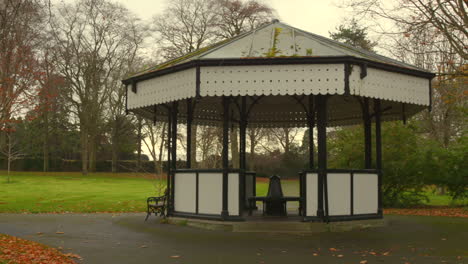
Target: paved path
[(125, 238)]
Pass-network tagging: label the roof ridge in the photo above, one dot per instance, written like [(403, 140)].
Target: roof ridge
[(354, 48)]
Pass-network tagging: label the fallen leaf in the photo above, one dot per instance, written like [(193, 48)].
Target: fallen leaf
[(315, 254), (340, 256), (71, 255), (60, 233), (39, 233), (363, 262), (333, 249), (444, 239), (175, 256), (143, 246), (386, 253)]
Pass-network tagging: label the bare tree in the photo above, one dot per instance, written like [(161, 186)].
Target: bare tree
[(255, 136), (235, 17), (447, 18), (155, 141), (11, 151), (95, 42), (185, 26)]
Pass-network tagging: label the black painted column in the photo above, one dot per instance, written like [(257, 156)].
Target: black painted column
[(189, 132), (378, 150), (311, 124), (367, 135), (175, 106), (321, 103), (168, 164), (242, 154), (225, 155)]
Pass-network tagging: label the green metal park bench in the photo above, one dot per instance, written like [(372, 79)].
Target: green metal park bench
[(157, 205)]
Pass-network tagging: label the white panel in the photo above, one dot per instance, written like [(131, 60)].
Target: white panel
[(162, 89), (233, 193), (272, 80), (210, 193), (365, 193), (185, 192), (339, 193), (390, 86), (312, 194)]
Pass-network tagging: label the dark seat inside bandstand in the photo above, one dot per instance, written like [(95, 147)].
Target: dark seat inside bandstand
[(275, 203)]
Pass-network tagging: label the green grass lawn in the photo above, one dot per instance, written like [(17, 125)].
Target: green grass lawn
[(72, 192), (36, 192)]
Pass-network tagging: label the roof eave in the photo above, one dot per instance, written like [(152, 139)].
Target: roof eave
[(278, 61)]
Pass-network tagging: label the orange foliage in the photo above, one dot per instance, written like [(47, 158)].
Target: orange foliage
[(439, 211), (20, 251)]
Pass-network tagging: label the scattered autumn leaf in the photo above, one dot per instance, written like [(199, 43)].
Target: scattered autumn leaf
[(437, 211), (143, 246), (60, 233), (333, 249), (363, 262), (340, 256), (71, 255), (20, 251), (314, 254), (175, 256)]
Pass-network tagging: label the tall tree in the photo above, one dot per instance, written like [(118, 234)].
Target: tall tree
[(447, 18), (94, 40), (235, 17), (20, 76), (187, 25), (353, 34)]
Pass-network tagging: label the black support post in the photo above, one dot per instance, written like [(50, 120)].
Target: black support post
[(189, 132), (378, 150), (321, 104), (225, 156), (168, 165), (175, 106), (367, 134), (242, 149), (311, 124)]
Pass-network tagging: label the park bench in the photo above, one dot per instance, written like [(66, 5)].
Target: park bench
[(157, 205)]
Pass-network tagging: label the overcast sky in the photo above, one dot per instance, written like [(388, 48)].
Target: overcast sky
[(316, 16)]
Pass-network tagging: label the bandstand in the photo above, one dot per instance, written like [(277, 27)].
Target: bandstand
[(278, 76)]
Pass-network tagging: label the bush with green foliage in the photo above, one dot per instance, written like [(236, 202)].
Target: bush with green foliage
[(403, 182)]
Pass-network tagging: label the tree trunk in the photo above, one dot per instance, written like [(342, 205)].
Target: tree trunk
[(234, 148), (84, 150), (161, 148), (92, 153), (114, 147), (193, 154), (46, 143), (253, 143)]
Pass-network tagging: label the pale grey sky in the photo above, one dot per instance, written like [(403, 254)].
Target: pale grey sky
[(316, 16)]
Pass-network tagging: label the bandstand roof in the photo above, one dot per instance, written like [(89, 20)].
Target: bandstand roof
[(278, 66)]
